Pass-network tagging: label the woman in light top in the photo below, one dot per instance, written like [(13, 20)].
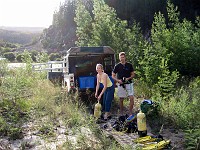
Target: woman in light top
[(107, 91)]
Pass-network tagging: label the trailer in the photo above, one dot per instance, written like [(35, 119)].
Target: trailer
[(80, 66)]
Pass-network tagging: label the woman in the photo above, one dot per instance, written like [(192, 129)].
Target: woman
[(107, 91)]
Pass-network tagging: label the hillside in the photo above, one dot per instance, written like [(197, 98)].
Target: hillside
[(24, 29), (19, 35)]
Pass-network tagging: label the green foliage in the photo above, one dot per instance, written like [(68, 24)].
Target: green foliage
[(3, 68), (27, 95), (182, 107), (192, 139), (141, 89), (104, 28), (19, 57), (47, 130), (179, 41), (15, 133), (16, 91), (133, 44), (4, 50), (166, 81), (26, 57), (54, 56), (104, 24), (3, 125), (61, 34), (10, 56), (34, 54), (155, 65), (42, 57), (84, 22), (6, 47), (181, 110)]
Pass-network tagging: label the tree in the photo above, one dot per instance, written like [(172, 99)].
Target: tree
[(83, 20), (42, 57), (34, 54), (180, 39), (54, 56), (155, 66), (182, 42), (19, 57), (61, 34), (10, 56), (108, 30)]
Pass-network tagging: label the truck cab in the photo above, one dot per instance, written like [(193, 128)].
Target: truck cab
[(80, 66)]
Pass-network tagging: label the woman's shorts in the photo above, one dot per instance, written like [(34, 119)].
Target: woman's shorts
[(125, 91)]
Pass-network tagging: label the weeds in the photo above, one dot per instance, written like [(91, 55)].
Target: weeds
[(29, 95), (192, 139)]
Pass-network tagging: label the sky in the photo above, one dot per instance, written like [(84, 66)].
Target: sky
[(28, 13)]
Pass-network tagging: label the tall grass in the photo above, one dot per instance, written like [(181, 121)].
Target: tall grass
[(180, 110), (17, 91), (26, 95), (29, 96)]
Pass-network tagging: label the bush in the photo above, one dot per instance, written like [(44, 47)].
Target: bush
[(54, 56), (183, 107), (19, 57), (16, 92), (10, 56)]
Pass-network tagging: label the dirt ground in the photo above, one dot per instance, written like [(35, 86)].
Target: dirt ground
[(156, 126)]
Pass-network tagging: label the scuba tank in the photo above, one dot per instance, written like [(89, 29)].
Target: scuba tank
[(141, 124), (97, 110)]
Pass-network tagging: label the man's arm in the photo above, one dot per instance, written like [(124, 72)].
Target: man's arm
[(132, 76), (115, 78)]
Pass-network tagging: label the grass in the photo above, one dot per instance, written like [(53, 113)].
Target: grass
[(28, 96), (74, 115), (180, 111)]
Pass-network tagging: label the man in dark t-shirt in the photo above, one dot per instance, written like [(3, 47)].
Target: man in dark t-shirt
[(123, 74)]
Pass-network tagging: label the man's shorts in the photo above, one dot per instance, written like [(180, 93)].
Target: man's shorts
[(127, 91)]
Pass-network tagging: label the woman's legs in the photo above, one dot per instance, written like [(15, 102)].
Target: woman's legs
[(107, 99)]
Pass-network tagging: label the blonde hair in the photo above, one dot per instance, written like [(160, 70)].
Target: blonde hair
[(100, 66), (122, 53)]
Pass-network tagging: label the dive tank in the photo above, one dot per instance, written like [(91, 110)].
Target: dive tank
[(141, 124), (97, 110)]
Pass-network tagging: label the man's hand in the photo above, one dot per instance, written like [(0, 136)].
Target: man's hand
[(126, 79), (120, 81)]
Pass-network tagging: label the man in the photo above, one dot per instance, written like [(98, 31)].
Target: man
[(123, 74)]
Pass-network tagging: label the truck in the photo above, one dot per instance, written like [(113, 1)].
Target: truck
[(79, 65)]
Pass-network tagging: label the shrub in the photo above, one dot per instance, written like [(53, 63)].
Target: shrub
[(10, 56)]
